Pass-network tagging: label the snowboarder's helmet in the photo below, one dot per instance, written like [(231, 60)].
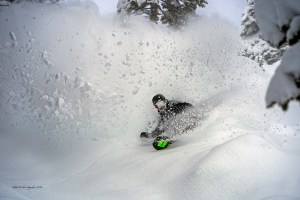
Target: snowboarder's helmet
[(157, 98)]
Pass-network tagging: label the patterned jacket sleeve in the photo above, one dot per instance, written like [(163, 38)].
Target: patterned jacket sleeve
[(181, 106)]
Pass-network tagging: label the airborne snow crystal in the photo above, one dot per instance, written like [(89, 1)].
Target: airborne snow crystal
[(12, 36)]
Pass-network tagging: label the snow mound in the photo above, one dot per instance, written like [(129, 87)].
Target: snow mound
[(232, 165)]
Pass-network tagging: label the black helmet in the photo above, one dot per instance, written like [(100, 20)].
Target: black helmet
[(157, 98)]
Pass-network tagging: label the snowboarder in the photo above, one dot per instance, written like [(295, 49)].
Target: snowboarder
[(167, 109)]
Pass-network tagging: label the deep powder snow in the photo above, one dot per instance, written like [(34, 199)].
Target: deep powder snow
[(76, 92)]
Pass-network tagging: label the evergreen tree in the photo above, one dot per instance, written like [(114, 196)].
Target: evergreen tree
[(256, 48), (6, 2), (172, 12), (249, 25), (279, 22)]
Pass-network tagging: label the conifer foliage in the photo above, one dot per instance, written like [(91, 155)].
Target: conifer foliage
[(171, 12), (256, 48), (249, 25), (8, 2)]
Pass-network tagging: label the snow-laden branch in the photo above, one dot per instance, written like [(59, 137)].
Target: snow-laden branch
[(276, 18), (284, 86), (279, 22)]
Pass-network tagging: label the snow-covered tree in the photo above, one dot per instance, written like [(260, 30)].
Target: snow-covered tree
[(5, 2), (256, 48), (172, 12), (279, 22), (249, 25), (261, 52)]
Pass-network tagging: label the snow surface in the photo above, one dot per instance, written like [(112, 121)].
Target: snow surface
[(76, 92)]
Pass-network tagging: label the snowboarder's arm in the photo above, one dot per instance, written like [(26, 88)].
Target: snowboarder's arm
[(158, 130), (184, 105), (181, 106)]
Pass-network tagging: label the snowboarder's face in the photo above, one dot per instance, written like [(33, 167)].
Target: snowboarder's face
[(160, 105)]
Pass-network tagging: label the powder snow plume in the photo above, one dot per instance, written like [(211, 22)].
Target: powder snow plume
[(71, 74)]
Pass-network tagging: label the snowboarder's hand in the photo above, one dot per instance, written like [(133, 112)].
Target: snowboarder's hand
[(144, 135)]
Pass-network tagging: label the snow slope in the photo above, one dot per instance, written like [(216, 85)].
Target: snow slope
[(76, 92)]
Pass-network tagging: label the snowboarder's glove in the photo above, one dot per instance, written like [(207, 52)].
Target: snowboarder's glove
[(144, 135)]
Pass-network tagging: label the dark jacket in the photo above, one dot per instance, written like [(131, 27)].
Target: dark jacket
[(173, 108)]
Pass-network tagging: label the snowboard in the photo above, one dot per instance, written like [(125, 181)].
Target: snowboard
[(159, 142), (162, 142)]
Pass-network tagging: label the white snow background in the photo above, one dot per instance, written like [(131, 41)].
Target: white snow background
[(76, 92)]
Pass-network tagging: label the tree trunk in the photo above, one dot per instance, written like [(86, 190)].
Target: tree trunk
[(154, 12)]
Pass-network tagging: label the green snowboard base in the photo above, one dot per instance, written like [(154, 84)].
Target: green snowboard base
[(161, 142)]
